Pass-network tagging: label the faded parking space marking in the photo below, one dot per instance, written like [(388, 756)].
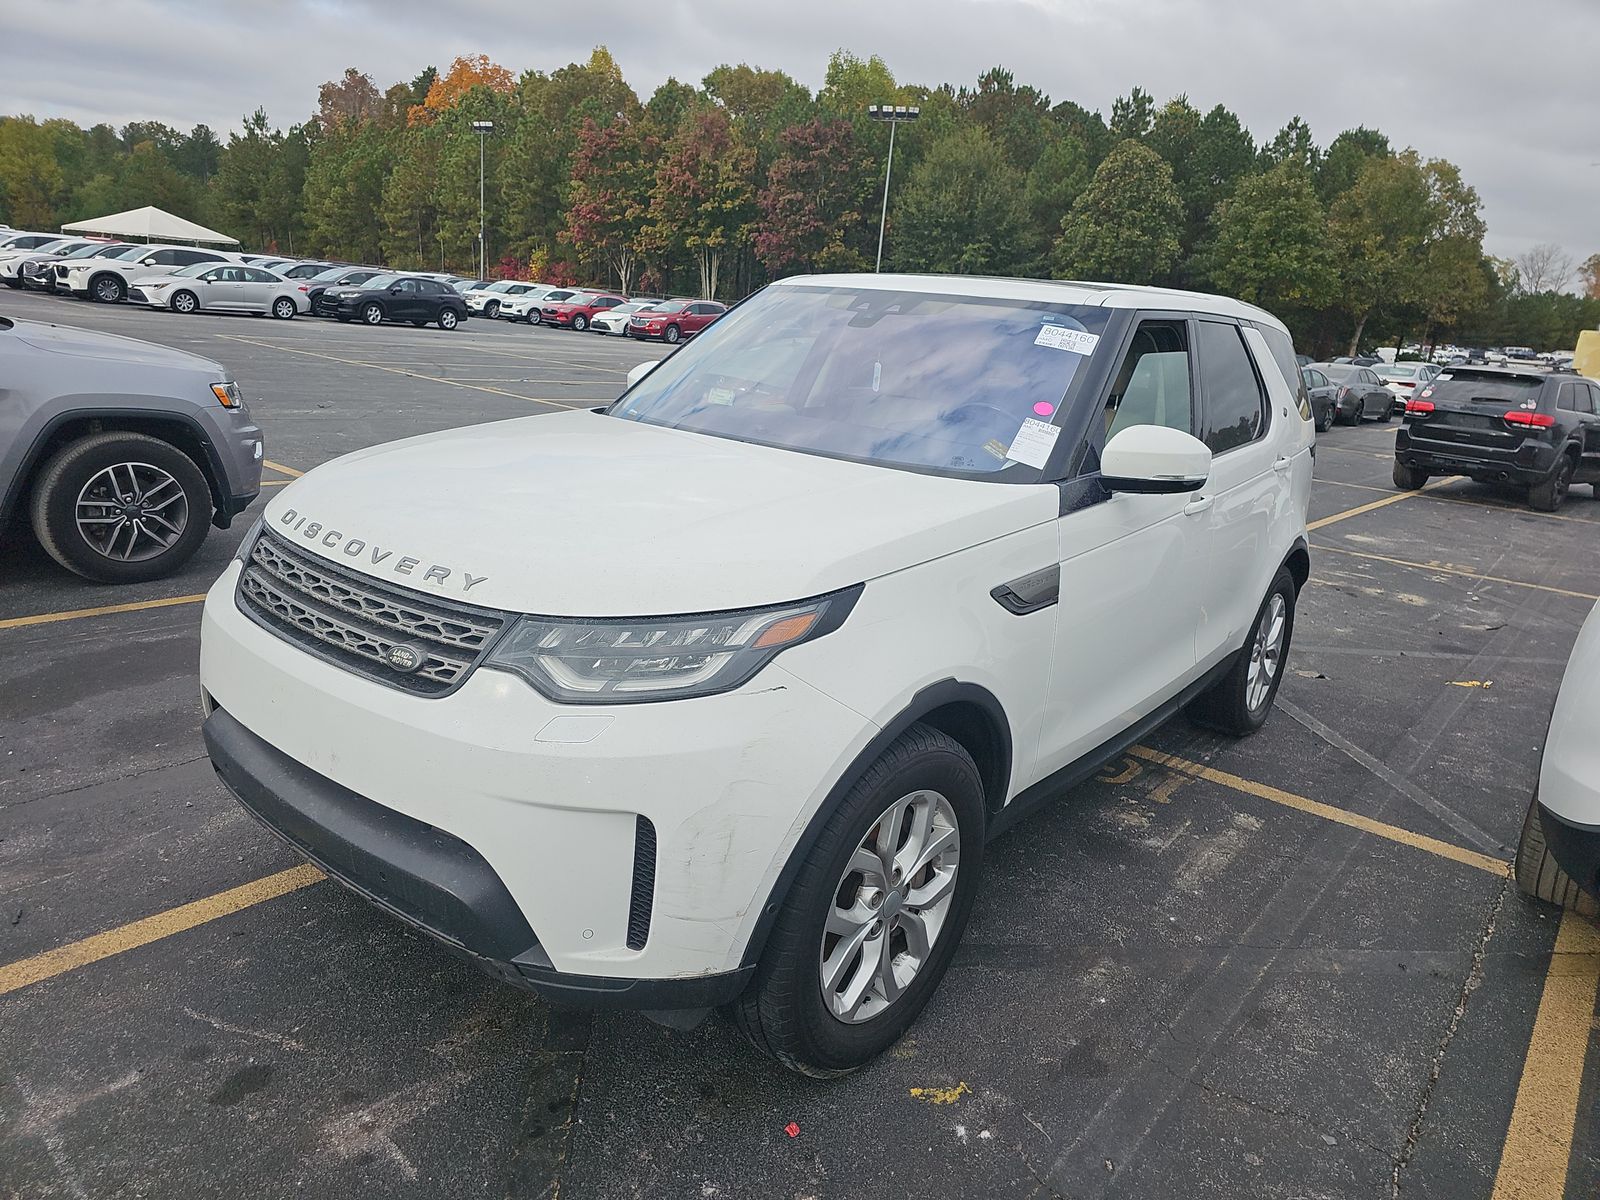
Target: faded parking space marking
[(350, 362), (1327, 812), (131, 936), (1417, 566), (1538, 1146), (102, 611), (1377, 504)]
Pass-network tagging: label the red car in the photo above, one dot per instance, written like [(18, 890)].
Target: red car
[(575, 312), (674, 320)]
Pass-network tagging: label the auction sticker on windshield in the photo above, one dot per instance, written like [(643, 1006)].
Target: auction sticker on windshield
[(1033, 443), (1059, 337)]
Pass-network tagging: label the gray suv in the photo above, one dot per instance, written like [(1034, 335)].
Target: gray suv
[(121, 452)]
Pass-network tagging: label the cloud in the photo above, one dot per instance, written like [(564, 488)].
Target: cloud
[(1503, 90)]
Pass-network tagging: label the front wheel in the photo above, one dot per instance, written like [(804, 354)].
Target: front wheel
[(1239, 702), (448, 318), (672, 336), (1539, 875), (185, 302), (873, 918), (283, 308), (492, 309), (533, 316), (120, 507), (372, 314), (108, 289), (580, 322)]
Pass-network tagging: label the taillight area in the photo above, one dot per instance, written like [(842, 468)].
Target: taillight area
[(1526, 419), (1419, 406)]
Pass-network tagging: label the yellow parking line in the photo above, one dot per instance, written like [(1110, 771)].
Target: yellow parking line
[(1483, 504), (266, 483), (281, 469), (1377, 504), (153, 928), (1417, 566), (1327, 812), (351, 362), (103, 610), (1538, 1147)]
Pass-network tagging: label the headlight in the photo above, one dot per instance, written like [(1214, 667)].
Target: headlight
[(670, 658), (242, 554), (227, 394)]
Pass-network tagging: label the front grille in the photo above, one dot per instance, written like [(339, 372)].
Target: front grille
[(642, 899), (354, 621)]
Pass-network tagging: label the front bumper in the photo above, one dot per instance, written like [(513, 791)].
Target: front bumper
[(1528, 464), (547, 797)]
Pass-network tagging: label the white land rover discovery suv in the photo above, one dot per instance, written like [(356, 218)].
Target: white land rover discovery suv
[(713, 698)]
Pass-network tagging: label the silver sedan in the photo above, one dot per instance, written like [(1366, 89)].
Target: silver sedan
[(222, 287)]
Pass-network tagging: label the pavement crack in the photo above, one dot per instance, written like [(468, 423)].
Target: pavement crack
[(1468, 986), (83, 787), (1288, 1114)]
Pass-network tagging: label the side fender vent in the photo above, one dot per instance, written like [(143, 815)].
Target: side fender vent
[(644, 883)]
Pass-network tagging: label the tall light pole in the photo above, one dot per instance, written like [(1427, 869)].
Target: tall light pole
[(895, 114), (483, 128)]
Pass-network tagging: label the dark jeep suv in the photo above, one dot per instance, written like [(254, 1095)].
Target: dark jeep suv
[(1529, 428)]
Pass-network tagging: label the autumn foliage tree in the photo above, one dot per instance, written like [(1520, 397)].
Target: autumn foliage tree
[(609, 203), (818, 195), (466, 72), (704, 195)]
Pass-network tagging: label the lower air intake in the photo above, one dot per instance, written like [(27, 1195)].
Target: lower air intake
[(644, 883)]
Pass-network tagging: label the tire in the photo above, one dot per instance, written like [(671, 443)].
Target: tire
[(108, 289), (492, 309), (372, 313), (79, 468), (1388, 414), (579, 322), (1539, 875), (448, 319), (283, 308), (1360, 413), (420, 324), (1322, 426), (1547, 496), (1408, 479), (533, 317), (1226, 705), (185, 302), (784, 1012), (672, 335)]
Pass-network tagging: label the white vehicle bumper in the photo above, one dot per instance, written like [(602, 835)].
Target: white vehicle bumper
[(545, 800), (1569, 776)]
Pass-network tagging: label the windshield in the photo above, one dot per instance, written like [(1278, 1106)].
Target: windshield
[(1339, 371), (632, 306), (93, 250), (669, 306), (376, 281), (911, 379), (191, 271), (128, 252), (558, 295)]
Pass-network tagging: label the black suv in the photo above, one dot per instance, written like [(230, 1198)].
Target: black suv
[(396, 298), (1530, 428)]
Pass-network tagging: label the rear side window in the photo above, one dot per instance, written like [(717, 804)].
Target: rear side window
[(1593, 395), (1283, 355), (1235, 406)]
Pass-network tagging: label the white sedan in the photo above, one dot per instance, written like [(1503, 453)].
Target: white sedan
[(615, 320), (224, 287)]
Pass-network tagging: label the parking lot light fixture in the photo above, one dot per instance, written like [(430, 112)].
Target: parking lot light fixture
[(483, 129), (894, 114)]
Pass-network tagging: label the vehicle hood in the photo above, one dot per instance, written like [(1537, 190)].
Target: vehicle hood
[(579, 514), (85, 343)]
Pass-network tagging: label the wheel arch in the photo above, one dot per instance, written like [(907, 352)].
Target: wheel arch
[(1298, 563), (964, 711), (176, 429)]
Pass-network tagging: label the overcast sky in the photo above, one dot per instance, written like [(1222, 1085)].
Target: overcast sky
[(1507, 90)]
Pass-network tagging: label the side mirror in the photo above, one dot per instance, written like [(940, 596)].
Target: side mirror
[(640, 371), (1153, 459), (395, 290)]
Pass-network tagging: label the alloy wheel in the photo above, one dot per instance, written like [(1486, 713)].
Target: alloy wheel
[(131, 512), (1266, 652), (889, 907)]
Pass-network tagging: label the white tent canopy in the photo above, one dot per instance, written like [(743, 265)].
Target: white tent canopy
[(150, 224)]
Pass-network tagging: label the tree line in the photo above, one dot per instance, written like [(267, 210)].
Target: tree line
[(750, 176)]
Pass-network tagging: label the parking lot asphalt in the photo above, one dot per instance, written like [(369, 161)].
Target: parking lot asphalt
[(1286, 966)]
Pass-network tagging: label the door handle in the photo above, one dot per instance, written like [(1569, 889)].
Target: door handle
[(1281, 465), (1197, 506)]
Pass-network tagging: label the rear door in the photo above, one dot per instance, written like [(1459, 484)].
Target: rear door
[(1576, 405), (256, 288)]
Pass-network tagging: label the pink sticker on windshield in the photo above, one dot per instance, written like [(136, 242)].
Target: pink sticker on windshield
[(1044, 408)]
